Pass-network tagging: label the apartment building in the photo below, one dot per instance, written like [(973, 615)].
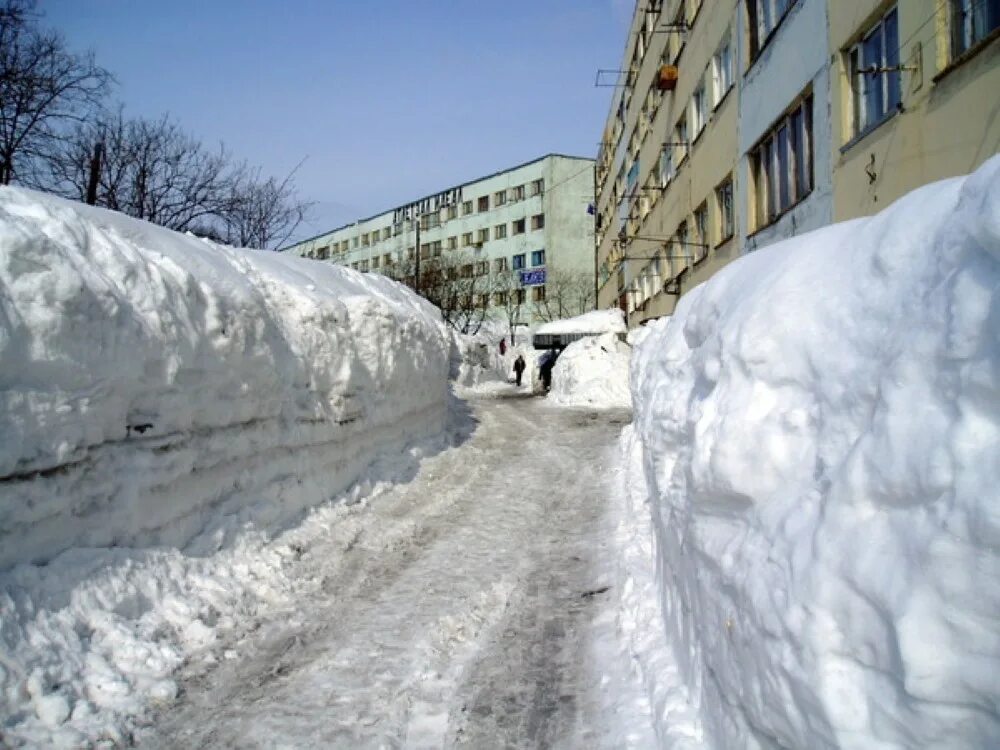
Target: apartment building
[(916, 96), (530, 222), (737, 123), (666, 168)]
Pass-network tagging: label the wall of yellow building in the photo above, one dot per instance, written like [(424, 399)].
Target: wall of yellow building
[(949, 123)]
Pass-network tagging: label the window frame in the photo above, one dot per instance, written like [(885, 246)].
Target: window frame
[(764, 160)]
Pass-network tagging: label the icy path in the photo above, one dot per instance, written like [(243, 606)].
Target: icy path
[(466, 608)]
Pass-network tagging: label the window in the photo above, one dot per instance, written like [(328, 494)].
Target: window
[(666, 164), (484, 203), (763, 17), (538, 257), (410, 253), (500, 198), (365, 240), (467, 271), (538, 293), (500, 265), (519, 193), (354, 242), (538, 221), (466, 208), (698, 110), (387, 259), (875, 86), (387, 233), (375, 261), (482, 268), (519, 226), (519, 296), (537, 187), (724, 209), (517, 262), (681, 238), (681, 143), (782, 164), (425, 251), (483, 235), (499, 231), (499, 299), (722, 70), (436, 248), (467, 239), (701, 227), (971, 21), (363, 266), (452, 212), (676, 40)]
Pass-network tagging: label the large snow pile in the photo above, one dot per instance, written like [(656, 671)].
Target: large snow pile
[(595, 322), (819, 429), (593, 372), (157, 389)]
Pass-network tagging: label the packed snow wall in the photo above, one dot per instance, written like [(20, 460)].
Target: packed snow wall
[(155, 387), (819, 429)]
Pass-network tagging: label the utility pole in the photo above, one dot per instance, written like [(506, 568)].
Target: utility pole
[(416, 272), (95, 174)]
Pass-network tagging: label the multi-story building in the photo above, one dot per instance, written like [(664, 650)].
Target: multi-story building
[(666, 167), (916, 96), (737, 123), (530, 224)]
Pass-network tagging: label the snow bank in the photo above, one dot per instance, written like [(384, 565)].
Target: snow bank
[(151, 381), (592, 372), (596, 321), (164, 404), (819, 428)]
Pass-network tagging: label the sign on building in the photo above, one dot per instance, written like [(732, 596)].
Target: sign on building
[(533, 277)]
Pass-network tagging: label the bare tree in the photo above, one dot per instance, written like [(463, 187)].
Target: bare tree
[(511, 298), (567, 294), (44, 90), (260, 212), (458, 283), (150, 169)]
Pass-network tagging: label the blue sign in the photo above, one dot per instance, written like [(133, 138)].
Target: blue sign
[(532, 278)]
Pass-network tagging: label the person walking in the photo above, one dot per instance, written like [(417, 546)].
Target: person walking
[(503, 347), (518, 369)]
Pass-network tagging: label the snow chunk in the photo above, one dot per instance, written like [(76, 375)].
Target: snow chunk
[(819, 427), (593, 372)]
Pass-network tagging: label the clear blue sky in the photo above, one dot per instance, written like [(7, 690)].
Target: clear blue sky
[(386, 100)]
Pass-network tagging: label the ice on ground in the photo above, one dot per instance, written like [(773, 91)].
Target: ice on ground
[(818, 427), (594, 322), (593, 372), (165, 404)]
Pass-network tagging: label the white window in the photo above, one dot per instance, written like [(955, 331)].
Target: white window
[(698, 110), (765, 16), (875, 77), (724, 207), (971, 21), (722, 70), (782, 164)]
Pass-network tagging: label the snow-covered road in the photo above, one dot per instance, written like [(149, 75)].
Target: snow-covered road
[(472, 606)]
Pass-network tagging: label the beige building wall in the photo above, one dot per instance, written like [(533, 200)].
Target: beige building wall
[(949, 121), (663, 225)]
